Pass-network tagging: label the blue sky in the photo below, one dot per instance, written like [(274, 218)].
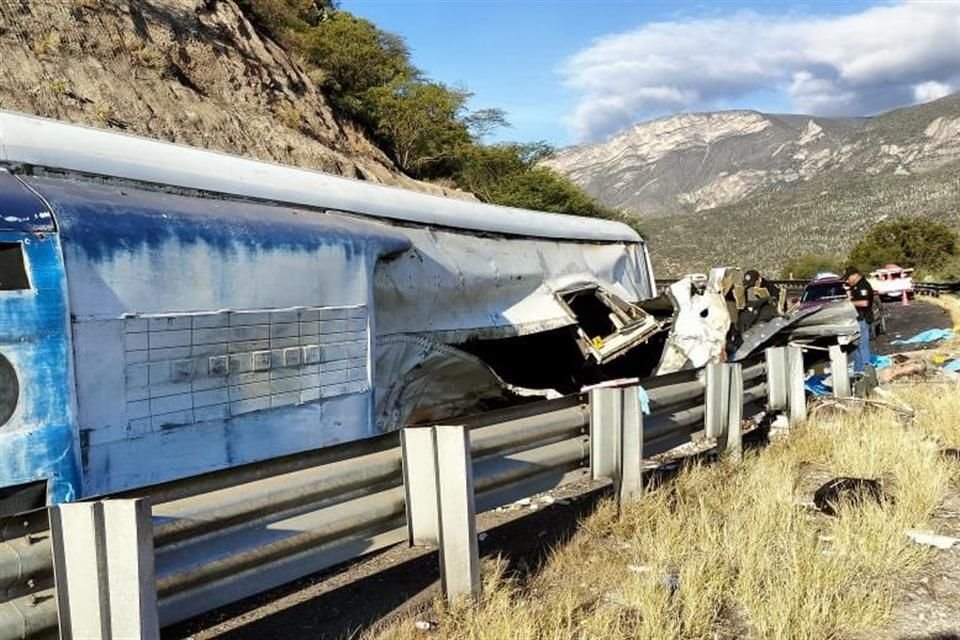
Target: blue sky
[(569, 72)]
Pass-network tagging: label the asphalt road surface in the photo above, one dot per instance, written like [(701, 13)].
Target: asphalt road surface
[(905, 322)]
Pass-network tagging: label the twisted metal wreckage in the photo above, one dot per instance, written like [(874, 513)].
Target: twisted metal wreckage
[(169, 311)]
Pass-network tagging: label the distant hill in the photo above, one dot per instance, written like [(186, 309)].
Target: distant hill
[(748, 188)]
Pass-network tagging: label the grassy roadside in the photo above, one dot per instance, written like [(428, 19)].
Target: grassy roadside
[(729, 552), (949, 303)]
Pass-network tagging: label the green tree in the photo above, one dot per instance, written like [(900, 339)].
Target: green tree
[(907, 241), (483, 122), (282, 20), (809, 265), (419, 121), (424, 126), (355, 57)]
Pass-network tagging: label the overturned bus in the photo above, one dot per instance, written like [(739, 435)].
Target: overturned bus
[(167, 311)]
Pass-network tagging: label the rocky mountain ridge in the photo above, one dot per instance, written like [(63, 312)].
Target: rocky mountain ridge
[(700, 161)]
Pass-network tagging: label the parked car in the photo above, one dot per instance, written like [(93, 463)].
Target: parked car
[(892, 282), (829, 289)]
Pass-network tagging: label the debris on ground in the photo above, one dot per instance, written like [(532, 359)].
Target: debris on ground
[(901, 371), (424, 625), (926, 337), (852, 491), (932, 539)]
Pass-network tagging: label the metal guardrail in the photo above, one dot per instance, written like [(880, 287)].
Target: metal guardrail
[(785, 284), (28, 607), (935, 289), (225, 536)]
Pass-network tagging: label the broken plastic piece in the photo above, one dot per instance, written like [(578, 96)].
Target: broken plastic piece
[(932, 539)]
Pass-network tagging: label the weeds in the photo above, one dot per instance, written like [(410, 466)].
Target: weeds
[(46, 44), (729, 551), (290, 117)]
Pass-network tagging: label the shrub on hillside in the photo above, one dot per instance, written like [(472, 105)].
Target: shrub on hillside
[(809, 265), (907, 241), (423, 125)]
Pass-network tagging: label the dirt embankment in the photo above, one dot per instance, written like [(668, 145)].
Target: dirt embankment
[(195, 72)]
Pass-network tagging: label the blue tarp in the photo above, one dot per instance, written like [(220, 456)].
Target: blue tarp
[(644, 400), (930, 335), (953, 365), (881, 362), (815, 384)]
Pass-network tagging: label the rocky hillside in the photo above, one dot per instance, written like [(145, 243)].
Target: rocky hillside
[(700, 161), (753, 189), (190, 71)]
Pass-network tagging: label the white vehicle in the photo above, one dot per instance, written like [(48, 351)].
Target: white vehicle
[(892, 281)]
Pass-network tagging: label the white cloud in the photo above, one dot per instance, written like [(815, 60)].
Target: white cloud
[(927, 91), (880, 58)]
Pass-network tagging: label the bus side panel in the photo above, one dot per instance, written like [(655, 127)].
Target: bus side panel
[(38, 442), (209, 334)]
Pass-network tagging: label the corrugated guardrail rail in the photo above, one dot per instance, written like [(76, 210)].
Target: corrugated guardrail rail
[(28, 607), (936, 289), (224, 536)]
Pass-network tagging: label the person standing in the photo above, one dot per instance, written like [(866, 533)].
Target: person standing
[(861, 296)]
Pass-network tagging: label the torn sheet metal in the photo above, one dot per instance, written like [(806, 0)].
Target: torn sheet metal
[(422, 381), (835, 319), (607, 326), (456, 286), (700, 325)]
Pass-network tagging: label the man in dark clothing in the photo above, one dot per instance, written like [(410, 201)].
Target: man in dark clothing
[(861, 296), (762, 300)]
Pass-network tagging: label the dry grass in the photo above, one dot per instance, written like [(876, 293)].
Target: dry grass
[(948, 302), (749, 559)]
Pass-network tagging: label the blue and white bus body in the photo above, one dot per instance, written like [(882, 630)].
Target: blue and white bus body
[(189, 311)]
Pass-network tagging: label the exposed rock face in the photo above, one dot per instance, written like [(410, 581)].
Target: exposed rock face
[(191, 72), (696, 162)]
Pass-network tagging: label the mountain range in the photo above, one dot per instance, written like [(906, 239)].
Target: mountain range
[(752, 189)]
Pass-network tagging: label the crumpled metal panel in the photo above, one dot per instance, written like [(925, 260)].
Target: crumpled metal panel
[(700, 325), (420, 381), (457, 286), (837, 319)]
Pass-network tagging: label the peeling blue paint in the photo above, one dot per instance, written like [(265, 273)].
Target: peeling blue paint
[(38, 442), (105, 219), (20, 208)]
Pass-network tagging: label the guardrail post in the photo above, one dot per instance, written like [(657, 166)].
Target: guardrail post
[(733, 442), (796, 391), (606, 423), (839, 372), (631, 447), (717, 398), (776, 378), (103, 563), (419, 455), (616, 439), (439, 458)]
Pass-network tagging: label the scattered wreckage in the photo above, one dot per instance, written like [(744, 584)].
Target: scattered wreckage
[(170, 311)]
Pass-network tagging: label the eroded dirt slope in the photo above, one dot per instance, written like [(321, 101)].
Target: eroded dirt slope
[(187, 71)]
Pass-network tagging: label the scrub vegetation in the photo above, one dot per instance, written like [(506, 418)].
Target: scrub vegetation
[(931, 247), (425, 126), (726, 551)]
